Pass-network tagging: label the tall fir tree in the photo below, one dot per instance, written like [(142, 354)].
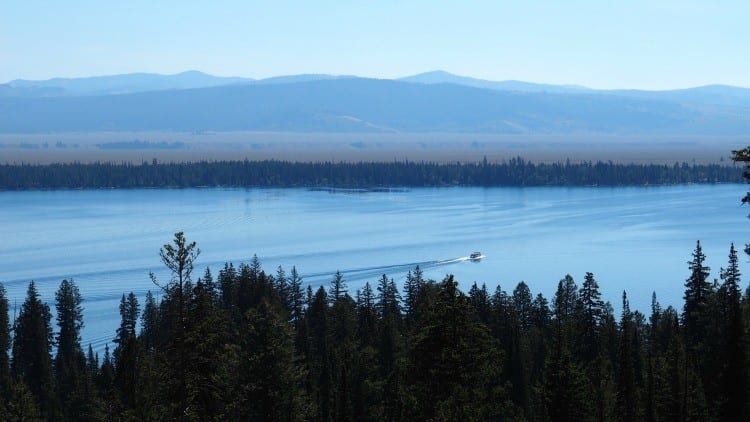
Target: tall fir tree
[(627, 392), (149, 323), (5, 342), (734, 382), (32, 350), (127, 352), (697, 291), (72, 381), (296, 297)]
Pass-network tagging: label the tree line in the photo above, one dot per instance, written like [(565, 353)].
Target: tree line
[(271, 173), (250, 345)]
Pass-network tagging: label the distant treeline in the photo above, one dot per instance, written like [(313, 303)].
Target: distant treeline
[(272, 173)]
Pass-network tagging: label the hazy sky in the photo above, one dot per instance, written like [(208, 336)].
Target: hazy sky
[(650, 44)]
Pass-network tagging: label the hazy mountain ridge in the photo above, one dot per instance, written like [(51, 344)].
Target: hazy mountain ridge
[(144, 82), (366, 105)]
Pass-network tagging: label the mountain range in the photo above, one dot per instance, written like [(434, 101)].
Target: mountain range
[(429, 102)]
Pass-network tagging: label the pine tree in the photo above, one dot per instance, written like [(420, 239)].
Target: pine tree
[(5, 342), (127, 352), (319, 359), (412, 287), (281, 284), (32, 359), (479, 298), (92, 363), (591, 310), (697, 290), (522, 302), (296, 297), (270, 381), (627, 394), (228, 286), (70, 363), (209, 362), (149, 323), (338, 288), (210, 286), (388, 298), (734, 382), (22, 404), (179, 258), (566, 299), (367, 316), (443, 383)]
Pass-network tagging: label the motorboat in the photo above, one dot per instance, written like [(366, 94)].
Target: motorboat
[(476, 256)]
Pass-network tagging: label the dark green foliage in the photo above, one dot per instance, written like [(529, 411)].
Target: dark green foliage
[(338, 288), (697, 291), (5, 342), (255, 347), (127, 352), (270, 381), (454, 364), (514, 172), (734, 381), (32, 347), (75, 387), (150, 323)]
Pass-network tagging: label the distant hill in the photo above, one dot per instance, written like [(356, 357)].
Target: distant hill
[(702, 95), (138, 82), (369, 105), (442, 77), (711, 95), (117, 84)]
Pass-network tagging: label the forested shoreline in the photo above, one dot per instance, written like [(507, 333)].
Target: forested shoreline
[(271, 173), (252, 345)]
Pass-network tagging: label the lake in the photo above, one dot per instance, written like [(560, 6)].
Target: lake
[(637, 239)]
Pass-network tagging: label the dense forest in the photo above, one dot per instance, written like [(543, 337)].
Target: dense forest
[(249, 345), (514, 172)]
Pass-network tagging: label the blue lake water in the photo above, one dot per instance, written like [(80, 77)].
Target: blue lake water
[(637, 239)]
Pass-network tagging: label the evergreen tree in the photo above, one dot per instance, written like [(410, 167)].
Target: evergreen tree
[(281, 284), (149, 322), (179, 258), (270, 381), (367, 316), (127, 352), (697, 290), (444, 384), (412, 286), (209, 363), (734, 382), (338, 288), (522, 302), (319, 358), (32, 344), (22, 404), (592, 308), (5, 342), (295, 297), (627, 393), (228, 286), (70, 363)]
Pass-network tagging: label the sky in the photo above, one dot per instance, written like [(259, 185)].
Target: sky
[(646, 44)]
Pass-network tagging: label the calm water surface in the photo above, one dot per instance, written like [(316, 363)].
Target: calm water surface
[(637, 239)]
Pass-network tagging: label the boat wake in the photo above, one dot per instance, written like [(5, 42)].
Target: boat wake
[(369, 273)]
